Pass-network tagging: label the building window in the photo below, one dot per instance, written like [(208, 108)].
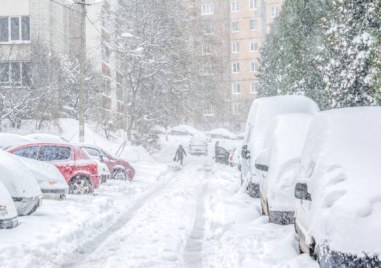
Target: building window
[(14, 29), (206, 49), (253, 25), (236, 88), (235, 26), (236, 108), (235, 47), (15, 74), (236, 68), (253, 46), (254, 66), (207, 9), (275, 11), (208, 29), (209, 111), (253, 4), (254, 88), (235, 6), (207, 69)]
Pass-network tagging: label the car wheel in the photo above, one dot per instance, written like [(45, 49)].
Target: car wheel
[(80, 185), (119, 175)]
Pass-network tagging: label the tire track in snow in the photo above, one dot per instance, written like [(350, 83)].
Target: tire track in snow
[(90, 246), (193, 248)]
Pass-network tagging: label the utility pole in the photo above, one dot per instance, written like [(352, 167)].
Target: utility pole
[(82, 59)]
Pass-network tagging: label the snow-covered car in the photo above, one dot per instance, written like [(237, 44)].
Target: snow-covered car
[(119, 168), (338, 211), (8, 140), (53, 185), (42, 137), (198, 145), (8, 212), (278, 164), (20, 183), (184, 130), (262, 111), (222, 133)]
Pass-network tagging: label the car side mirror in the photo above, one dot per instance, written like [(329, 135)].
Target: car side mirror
[(301, 191)]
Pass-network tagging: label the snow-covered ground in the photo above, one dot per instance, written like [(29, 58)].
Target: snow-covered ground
[(169, 216)]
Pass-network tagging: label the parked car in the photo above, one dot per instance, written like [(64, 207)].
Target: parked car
[(42, 137), (184, 130), (278, 163), (52, 184), (262, 111), (103, 171), (120, 169), (198, 145), (222, 133), (8, 212), (338, 190), (20, 183), (78, 169)]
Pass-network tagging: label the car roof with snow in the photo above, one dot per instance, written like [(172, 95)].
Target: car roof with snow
[(222, 132), (264, 109), (42, 137), (186, 129), (341, 161)]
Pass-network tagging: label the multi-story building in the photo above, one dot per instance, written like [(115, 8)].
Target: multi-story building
[(234, 31), (250, 22)]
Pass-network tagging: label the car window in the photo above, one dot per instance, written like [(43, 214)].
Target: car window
[(52, 153), (92, 151), (29, 152)]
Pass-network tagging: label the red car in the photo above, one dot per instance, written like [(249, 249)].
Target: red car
[(78, 169), (120, 169)]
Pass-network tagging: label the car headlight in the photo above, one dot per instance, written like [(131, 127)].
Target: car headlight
[(3, 210)]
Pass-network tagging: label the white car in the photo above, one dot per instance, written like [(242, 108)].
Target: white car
[(262, 111), (184, 130), (42, 137), (198, 145), (338, 212), (278, 163), (21, 184), (222, 133), (53, 185), (8, 212)]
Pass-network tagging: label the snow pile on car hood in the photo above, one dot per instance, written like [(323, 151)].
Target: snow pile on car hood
[(223, 133), (342, 157), (18, 179), (285, 141)]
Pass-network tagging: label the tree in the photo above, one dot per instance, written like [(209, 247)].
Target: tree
[(152, 37), (353, 53)]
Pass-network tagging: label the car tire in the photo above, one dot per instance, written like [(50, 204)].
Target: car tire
[(119, 175), (80, 185)]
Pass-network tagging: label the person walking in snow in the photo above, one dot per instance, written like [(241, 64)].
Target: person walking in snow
[(180, 153)]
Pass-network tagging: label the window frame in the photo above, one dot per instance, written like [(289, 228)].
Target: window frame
[(236, 67), (236, 88), (253, 25), (20, 31), (207, 8)]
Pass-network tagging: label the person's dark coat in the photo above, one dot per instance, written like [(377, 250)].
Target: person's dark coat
[(180, 153)]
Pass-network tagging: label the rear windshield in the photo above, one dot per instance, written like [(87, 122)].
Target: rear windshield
[(52, 153)]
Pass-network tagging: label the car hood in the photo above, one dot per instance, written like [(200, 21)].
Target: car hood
[(46, 174), (17, 177)]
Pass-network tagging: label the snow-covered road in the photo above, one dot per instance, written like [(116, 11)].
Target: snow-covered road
[(194, 216)]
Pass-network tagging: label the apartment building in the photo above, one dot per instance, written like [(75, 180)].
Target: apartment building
[(244, 24), (22, 21), (250, 23)]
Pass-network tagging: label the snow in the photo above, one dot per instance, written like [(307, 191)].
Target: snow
[(6, 204), (169, 216), (9, 139), (222, 133), (185, 130), (286, 137), (17, 177), (341, 166), (42, 137)]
